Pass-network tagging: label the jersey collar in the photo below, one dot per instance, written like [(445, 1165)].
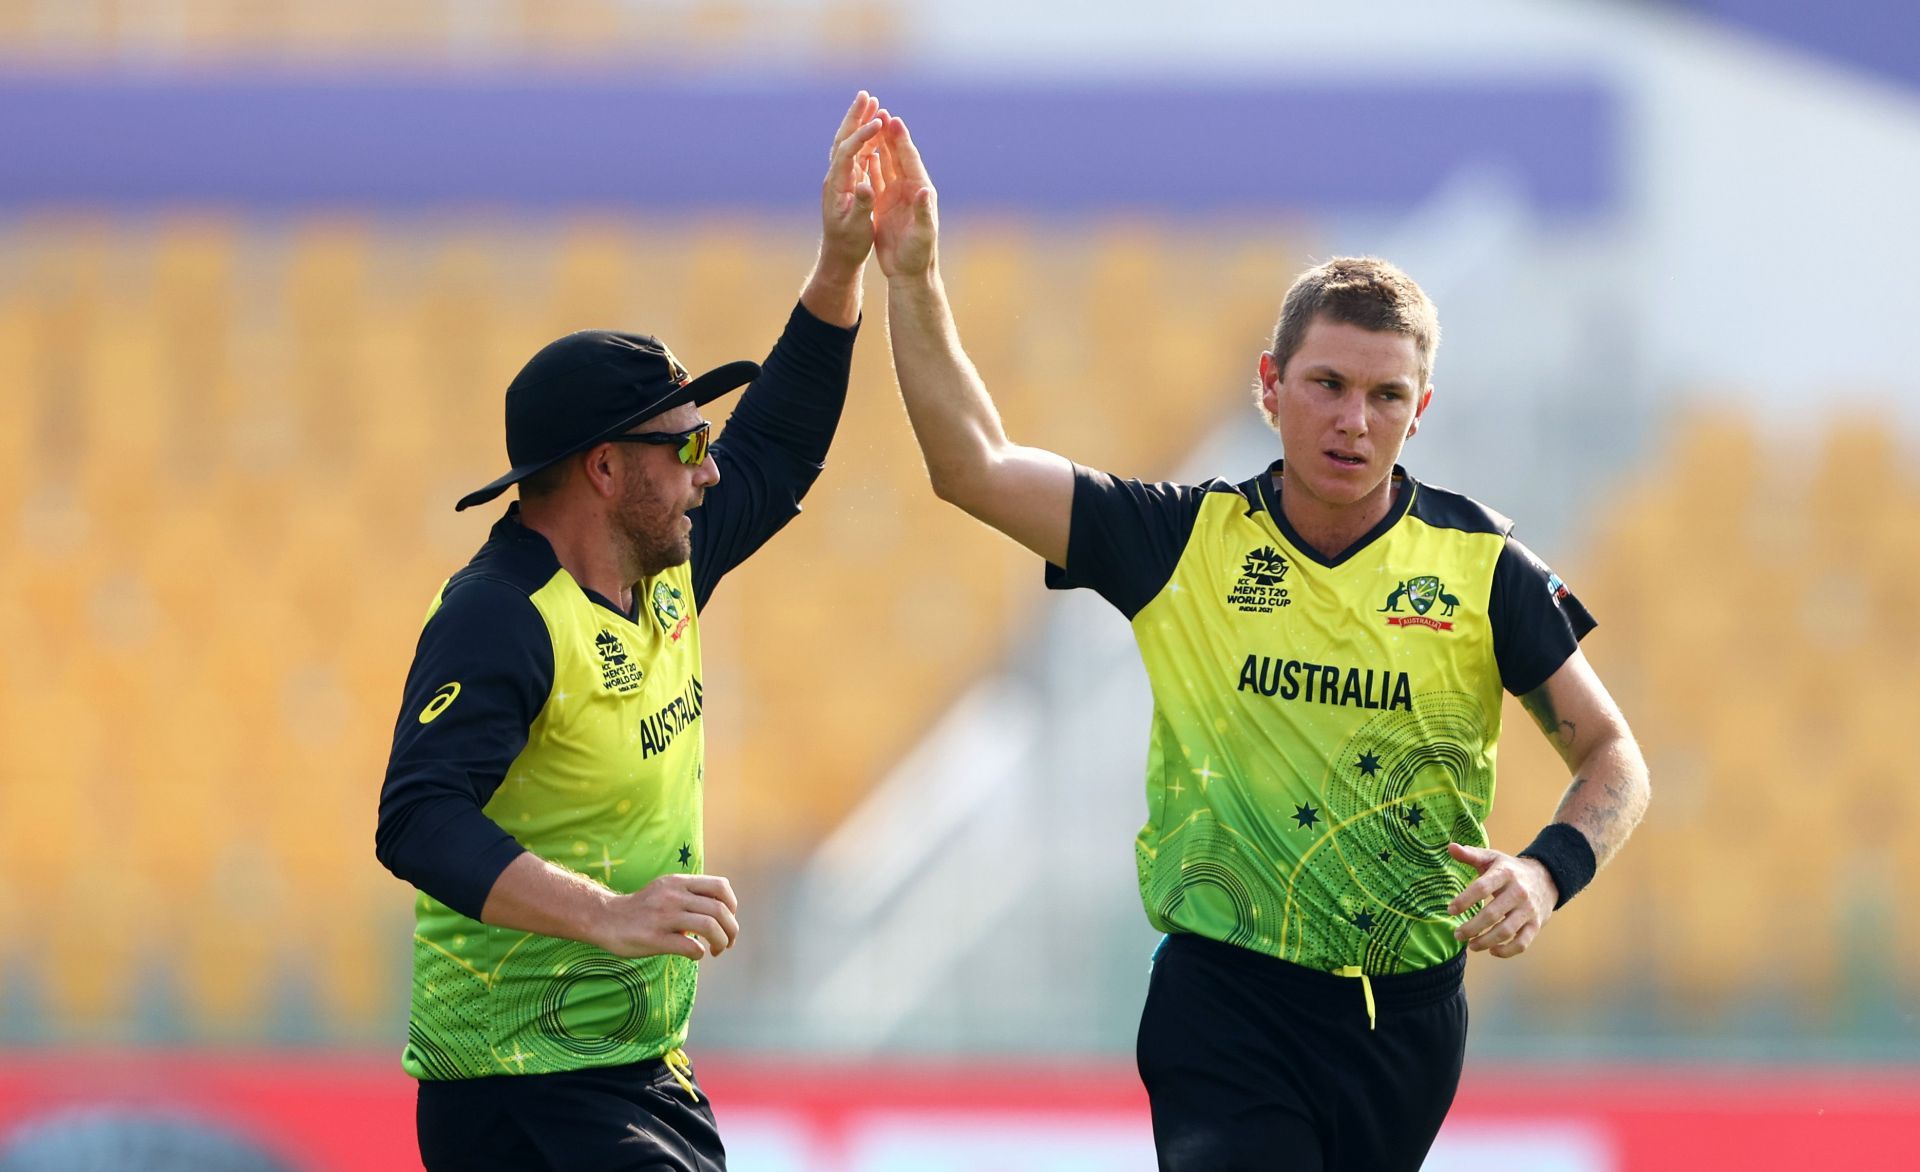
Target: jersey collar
[(509, 528), (1405, 488)]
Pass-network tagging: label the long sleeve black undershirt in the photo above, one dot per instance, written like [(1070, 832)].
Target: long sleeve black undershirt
[(773, 447), (488, 638)]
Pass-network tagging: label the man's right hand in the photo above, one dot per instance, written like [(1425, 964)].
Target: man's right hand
[(695, 916), (906, 217), (1025, 493)]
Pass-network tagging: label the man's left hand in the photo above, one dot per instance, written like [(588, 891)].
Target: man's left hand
[(1519, 896)]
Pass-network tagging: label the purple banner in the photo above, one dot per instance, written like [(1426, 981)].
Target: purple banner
[(290, 142), (1882, 36)]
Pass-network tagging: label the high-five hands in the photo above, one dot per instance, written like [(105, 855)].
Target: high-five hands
[(906, 217), (847, 193)]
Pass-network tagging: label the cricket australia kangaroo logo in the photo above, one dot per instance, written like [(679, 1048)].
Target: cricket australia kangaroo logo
[(1421, 593), (1259, 591), (670, 611)]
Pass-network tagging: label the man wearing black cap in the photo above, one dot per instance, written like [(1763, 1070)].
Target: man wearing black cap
[(544, 789)]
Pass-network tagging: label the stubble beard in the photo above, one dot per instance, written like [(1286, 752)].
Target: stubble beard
[(649, 553), (651, 539)]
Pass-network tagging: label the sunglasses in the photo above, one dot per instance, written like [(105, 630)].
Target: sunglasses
[(693, 442)]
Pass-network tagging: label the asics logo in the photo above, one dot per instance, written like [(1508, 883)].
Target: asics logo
[(443, 698)]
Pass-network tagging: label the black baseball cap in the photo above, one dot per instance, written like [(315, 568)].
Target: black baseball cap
[(589, 387)]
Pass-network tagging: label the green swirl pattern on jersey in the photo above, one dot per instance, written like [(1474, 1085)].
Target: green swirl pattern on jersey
[(609, 785), (1320, 733)]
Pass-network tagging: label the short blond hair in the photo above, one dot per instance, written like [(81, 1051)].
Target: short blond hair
[(1362, 291)]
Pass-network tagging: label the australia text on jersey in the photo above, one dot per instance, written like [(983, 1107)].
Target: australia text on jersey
[(1322, 683), (657, 731)]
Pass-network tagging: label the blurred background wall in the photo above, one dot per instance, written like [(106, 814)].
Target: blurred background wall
[(265, 269)]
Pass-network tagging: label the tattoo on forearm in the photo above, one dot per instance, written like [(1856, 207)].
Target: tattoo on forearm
[(1540, 706), (1601, 816), (1607, 810)]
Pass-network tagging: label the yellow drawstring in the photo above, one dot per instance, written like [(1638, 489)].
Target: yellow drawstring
[(1366, 986), (681, 1067)]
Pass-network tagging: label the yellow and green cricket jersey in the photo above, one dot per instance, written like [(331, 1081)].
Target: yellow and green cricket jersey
[(539, 716), (1322, 728), (607, 783)]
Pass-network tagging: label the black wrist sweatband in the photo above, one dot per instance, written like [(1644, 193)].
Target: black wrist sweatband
[(1567, 856)]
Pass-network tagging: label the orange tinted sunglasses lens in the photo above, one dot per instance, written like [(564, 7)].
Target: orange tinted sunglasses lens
[(694, 451)]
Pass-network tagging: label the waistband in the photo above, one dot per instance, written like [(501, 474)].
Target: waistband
[(669, 1069), (1329, 991)]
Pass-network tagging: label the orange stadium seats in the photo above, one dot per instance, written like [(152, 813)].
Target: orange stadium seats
[(18, 457), (453, 31), (595, 267), (232, 464), (236, 455), (1752, 587)]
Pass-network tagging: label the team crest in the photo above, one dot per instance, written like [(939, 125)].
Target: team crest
[(670, 611), (618, 671), (1259, 591), (1421, 593)]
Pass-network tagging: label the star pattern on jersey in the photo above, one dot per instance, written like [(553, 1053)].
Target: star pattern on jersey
[(1386, 856), (1205, 773), (1364, 921), (686, 853), (1306, 816), (606, 865), (1415, 815), (1368, 764)]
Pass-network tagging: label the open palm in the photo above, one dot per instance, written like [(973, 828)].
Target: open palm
[(846, 195), (905, 217)]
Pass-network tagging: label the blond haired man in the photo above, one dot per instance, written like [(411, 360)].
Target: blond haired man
[(1327, 643)]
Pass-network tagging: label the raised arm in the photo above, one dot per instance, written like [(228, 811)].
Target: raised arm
[(1026, 493), (776, 440), (832, 291), (1605, 801)]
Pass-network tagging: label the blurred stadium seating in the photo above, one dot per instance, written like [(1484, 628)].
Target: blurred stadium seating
[(238, 399), (456, 32), (1747, 586), (237, 448), (233, 452)]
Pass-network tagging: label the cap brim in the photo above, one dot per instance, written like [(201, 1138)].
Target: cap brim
[(705, 389), (481, 496), (712, 385)]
